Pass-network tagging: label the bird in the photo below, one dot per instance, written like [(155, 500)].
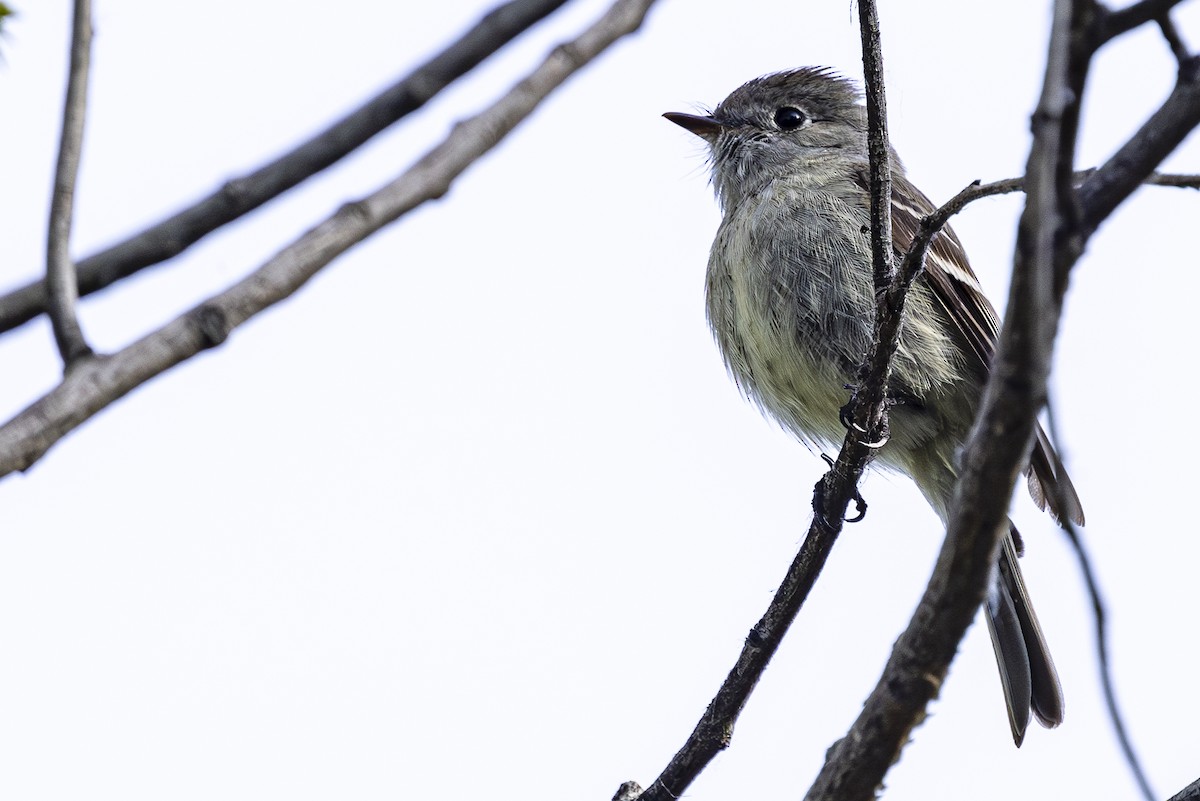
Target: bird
[(790, 300)]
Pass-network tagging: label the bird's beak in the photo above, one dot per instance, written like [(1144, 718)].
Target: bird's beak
[(704, 127)]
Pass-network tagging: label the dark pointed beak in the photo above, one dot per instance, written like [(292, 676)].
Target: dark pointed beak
[(704, 127)]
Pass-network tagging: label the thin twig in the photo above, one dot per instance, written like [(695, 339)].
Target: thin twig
[(1175, 179), (60, 284), (878, 150), (1007, 185), (869, 410), (1105, 666), (97, 383), (176, 233), (1100, 617), (1174, 40), (933, 223), (1078, 178)]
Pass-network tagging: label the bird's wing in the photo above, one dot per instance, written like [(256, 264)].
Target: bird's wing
[(975, 321)]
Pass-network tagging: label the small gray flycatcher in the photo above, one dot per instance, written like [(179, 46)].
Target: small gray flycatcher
[(791, 302)]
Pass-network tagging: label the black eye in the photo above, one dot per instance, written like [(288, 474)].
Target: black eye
[(789, 118)]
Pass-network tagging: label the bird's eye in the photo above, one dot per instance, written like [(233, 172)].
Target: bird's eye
[(789, 118)]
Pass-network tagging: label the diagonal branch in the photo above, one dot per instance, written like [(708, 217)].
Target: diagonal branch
[(97, 383), (1189, 793), (714, 731), (173, 235), (978, 191), (60, 283), (1178, 116)]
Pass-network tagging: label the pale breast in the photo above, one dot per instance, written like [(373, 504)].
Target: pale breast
[(790, 301)]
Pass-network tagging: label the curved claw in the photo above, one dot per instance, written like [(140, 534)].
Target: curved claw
[(860, 504), (818, 502), (844, 415), (877, 444), (847, 421)]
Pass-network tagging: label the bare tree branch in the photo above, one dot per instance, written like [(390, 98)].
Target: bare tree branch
[(870, 411), (1110, 24), (978, 191), (60, 271), (1177, 180), (1162, 133), (99, 382), (1107, 684), (1174, 40), (1189, 793), (877, 147), (173, 235), (714, 731)]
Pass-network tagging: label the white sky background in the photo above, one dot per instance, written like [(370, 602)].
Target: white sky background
[(478, 514)]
